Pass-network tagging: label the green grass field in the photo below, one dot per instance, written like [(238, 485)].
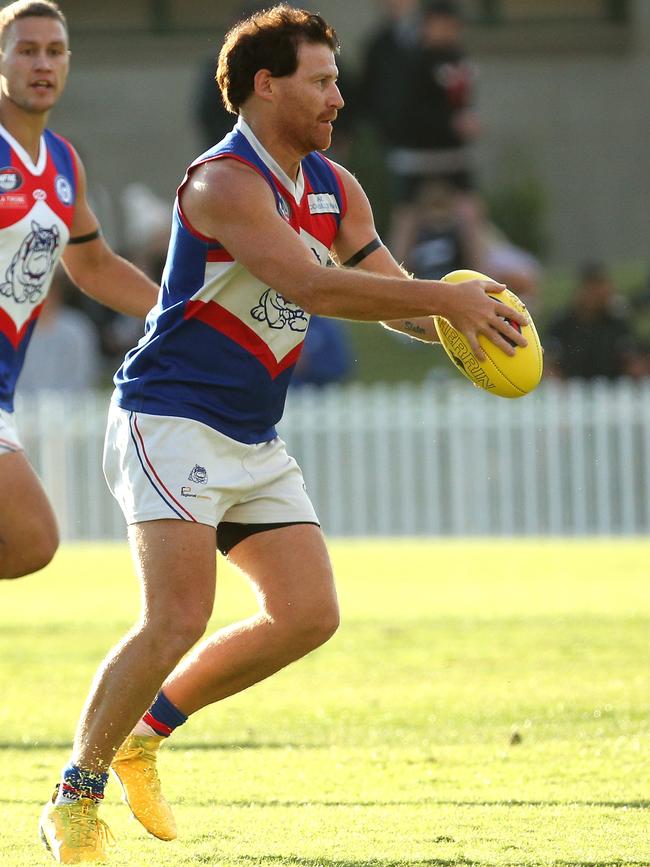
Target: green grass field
[(393, 744)]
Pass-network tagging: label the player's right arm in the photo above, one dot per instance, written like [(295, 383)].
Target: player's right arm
[(228, 201)]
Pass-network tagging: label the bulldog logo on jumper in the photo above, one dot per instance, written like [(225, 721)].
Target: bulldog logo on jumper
[(31, 266)]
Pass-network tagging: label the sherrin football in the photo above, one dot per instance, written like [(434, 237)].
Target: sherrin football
[(501, 374)]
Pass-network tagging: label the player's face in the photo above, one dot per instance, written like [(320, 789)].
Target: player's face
[(34, 64), (310, 99)]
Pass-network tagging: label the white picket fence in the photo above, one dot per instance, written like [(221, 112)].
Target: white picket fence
[(433, 459)]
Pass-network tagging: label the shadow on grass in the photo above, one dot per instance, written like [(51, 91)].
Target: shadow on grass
[(27, 746), (431, 802), (269, 861), (415, 802), (327, 862)]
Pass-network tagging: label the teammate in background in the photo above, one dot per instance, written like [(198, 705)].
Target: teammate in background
[(191, 451), (64, 352), (43, 208)]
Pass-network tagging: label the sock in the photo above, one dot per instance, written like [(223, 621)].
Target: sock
[(78, 783), (161, 719)]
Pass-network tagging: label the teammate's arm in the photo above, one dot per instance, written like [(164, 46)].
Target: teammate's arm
[(227, 200), (96, 269)]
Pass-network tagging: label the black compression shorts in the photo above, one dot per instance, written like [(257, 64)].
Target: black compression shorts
[(230, 534)]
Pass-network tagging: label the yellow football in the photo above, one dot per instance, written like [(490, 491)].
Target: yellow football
[(501, 374)]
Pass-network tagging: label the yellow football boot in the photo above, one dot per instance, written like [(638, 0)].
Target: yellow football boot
[(134, 766), (73, 833)]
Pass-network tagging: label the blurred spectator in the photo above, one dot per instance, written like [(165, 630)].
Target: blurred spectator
[(593, 337), (385, 69), (640, 304), (441, 120), (507, 263), (147, 225), (64, 353), (438, 242), (326, 355), (345, 124), (439, 245), (421, 105), (212, 119)]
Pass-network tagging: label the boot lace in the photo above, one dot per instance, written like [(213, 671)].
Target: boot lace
[(85, 827), (149, 758)]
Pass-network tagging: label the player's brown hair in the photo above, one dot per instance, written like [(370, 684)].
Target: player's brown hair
[(29, 9), (267, 40)]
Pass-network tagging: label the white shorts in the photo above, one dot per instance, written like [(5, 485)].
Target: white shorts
[(166, 467), (9, 441)]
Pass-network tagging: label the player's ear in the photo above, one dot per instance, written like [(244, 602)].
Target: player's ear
[(263, 83)]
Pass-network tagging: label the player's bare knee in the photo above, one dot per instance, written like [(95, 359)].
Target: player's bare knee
[(188, 630), (45, 553), (309, 629), (167, 646), (16, 561), (176, 631), (328, 624), (45, 547)]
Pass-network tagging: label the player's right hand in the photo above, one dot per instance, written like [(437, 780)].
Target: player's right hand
[(473, 312)]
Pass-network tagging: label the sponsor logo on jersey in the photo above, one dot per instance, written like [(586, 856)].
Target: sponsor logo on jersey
[(10, 179), (323, 203), (63, 189), (40, 195), (283, 209), (13, 200)]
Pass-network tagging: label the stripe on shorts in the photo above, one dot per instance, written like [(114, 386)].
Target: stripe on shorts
[(154, 479), (9, 446)]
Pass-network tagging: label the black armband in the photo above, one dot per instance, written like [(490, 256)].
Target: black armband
[(375, 244), (82, 239)]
